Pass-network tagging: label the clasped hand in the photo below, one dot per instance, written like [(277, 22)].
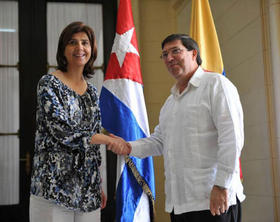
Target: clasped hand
[(118, 145)]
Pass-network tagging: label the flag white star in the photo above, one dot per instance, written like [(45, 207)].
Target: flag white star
[(122, 45)]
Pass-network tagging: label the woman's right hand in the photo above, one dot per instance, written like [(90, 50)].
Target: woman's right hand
[(118, 145)]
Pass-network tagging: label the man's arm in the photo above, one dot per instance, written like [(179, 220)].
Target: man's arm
[(228, 118)]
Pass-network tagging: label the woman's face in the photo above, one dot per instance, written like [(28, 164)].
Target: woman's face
[(78, 50)]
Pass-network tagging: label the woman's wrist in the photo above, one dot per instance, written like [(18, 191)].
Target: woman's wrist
[(100, 139)]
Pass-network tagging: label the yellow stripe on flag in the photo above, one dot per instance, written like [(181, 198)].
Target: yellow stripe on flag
[(203, 31)]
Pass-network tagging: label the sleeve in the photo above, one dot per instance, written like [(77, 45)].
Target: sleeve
[(150, 146), (54, 116), (154, 144), (228, 118)]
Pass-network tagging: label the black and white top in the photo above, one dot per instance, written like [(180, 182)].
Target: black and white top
[(65, 164)]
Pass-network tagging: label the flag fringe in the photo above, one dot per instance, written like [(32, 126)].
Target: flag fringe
[(141, 181)]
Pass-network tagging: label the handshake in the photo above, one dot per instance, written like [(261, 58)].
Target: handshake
[(118, 145)]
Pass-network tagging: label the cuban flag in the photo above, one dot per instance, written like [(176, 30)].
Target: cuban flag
[(123, 113), (203, 31)]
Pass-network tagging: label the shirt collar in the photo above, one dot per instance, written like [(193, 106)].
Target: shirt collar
[(196, 78), (194, 81)]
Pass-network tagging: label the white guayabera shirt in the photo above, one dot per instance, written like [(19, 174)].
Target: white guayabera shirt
[(200, 134)]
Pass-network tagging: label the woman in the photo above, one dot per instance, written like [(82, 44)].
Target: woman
[(65, 184)]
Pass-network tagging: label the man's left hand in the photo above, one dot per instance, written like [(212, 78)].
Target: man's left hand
[(218, 200)]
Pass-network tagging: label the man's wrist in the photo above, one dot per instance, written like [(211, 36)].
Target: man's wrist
[(129, 148)]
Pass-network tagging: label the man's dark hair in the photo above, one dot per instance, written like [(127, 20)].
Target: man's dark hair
[(64, 39), (187, 41)]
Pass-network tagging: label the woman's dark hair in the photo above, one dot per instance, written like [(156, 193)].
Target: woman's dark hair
[(187, 41), (66, 36)]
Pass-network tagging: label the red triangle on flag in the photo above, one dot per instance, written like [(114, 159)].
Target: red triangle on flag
[(124, 60)]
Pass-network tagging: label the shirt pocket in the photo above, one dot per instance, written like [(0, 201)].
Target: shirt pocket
[(188, 117)]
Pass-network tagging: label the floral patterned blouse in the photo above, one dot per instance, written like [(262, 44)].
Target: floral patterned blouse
[(65, 164)]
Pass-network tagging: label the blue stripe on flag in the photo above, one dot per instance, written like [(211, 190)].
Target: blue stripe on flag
[(117, 118), (128, 196), (125, 125)]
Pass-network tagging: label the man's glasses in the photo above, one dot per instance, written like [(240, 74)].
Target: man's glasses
[(173, 51)]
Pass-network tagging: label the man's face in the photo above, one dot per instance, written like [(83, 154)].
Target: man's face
[(179, 61)]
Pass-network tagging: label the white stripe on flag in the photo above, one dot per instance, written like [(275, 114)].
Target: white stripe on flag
[(131, 94), (142, 212), (120, 166)]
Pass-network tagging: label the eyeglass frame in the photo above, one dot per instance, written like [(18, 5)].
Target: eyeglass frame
[(174, 52)]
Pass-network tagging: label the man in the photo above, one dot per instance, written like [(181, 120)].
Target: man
[(200, 135)]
